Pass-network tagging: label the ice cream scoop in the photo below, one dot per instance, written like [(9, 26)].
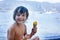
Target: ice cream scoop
[(35, 24)]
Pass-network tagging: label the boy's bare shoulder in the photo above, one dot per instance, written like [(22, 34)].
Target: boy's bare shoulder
[(12, 27)]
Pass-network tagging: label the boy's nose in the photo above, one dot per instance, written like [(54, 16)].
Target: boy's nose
[(20, 16)]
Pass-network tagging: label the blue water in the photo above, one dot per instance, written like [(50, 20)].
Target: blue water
[(48, 24)]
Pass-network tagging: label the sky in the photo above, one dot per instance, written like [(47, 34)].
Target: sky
[(51, 1)]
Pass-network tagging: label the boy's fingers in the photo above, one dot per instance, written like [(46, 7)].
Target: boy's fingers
[(34, 30), (27, 36)]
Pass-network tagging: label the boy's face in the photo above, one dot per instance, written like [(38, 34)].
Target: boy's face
[(20, 18)]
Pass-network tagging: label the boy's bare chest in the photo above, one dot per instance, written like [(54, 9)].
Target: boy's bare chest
[(20, 30)]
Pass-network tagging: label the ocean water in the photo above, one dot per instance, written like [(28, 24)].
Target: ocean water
[(48, 26)]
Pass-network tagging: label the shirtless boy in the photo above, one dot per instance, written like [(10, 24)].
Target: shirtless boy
[(18, 29)]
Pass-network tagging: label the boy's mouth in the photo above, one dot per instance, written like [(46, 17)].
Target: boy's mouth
[(19, 21)]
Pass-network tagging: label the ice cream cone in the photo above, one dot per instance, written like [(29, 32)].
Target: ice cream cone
[(35, 24)]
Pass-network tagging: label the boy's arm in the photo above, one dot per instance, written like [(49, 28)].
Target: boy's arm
[(25, 33), (34, 30), (28, 36), (10, 34)]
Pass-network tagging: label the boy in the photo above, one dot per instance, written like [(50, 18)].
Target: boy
[(18, 29)]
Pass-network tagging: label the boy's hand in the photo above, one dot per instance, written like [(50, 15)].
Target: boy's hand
[(27, 36), (34, 30)]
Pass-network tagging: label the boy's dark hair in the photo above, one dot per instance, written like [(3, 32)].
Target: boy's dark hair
[(21, 10)]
